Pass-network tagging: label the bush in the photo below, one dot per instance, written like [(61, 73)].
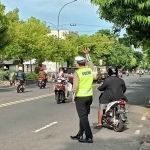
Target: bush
[(31, 76)]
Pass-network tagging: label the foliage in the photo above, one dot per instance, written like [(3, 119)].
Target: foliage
[(4, 39), (133, 15), (37, 69), (31, 39), (31, 76)]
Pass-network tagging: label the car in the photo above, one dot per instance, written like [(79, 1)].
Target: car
[(70, 71)]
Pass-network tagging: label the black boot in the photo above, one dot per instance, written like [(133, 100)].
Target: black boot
[(77, 137)]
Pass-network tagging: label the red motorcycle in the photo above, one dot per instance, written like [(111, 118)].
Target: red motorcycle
[(60, 91), (41, 83)]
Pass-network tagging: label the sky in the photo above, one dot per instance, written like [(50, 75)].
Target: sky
[(81, 12)]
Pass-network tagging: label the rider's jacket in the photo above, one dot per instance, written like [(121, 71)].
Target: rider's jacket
[(42, 74), (114, 89), (20, 75)]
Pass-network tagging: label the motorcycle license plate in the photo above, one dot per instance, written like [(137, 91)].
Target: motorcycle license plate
[(59, 84), (59, 81)]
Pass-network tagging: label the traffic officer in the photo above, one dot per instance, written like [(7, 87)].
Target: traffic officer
[(82, 96)]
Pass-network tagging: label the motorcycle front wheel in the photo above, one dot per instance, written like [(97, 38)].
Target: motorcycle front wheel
[(18, 89), (57, 98), (120, 125)]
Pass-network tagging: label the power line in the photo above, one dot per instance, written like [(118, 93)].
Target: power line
[(89, 25), (82, 25)]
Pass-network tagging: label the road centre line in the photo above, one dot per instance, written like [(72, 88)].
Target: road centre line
[(143, 118), (140, 126), (137, 132), (38, 130), (26, 100)]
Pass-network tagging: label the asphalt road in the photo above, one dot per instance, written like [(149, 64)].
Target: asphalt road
[(33, 121)]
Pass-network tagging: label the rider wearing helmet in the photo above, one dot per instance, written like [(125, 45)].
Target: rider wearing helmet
[(114, 89), (61, 75), (21, 75), (42, 74)]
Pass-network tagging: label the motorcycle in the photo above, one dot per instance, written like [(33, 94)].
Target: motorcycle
[(19, 85), (60, 91), (115, 115), (41, 83)]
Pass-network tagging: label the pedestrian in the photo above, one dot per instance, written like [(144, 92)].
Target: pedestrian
[(82, 96)]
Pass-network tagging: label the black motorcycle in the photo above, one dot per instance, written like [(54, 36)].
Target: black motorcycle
[(20, 86), (115, 115), (41, 83)]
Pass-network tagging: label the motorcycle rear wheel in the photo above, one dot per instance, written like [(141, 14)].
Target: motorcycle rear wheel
[(120, 125)]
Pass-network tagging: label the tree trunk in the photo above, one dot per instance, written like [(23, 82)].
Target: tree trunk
[(30, 66), (68, 63), (21, 62)]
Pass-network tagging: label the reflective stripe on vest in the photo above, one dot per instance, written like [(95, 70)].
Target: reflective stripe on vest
[(85, 87)]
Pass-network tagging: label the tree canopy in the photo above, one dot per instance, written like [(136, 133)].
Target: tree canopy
[(31, 39)]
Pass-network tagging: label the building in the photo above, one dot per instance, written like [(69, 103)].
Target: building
[(61, 33)]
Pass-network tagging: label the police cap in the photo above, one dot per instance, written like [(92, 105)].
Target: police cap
[(80, 59)]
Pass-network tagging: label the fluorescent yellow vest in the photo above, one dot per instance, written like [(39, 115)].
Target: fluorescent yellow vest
[(85, 87)]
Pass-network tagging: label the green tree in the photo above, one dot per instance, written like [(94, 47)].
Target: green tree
[(30, 40), (133, 15), (4, 38)]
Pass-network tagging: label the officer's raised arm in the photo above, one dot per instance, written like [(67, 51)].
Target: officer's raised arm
[(89, 62)]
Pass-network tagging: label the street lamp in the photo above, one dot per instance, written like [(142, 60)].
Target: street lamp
[(60, 12), (53, 25)]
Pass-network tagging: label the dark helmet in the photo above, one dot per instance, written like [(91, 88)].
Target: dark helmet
[(112, 70)]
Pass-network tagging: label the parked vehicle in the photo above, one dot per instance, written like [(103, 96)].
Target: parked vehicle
[(19, 86), (115, 115), (102, 73), (70, 71)]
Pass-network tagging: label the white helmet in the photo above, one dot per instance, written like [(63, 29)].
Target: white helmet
[(20, 68), (80, 59)]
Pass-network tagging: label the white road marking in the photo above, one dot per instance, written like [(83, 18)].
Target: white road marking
[(26, 100), (38, 130), (140, 126), (143, 118), (137, 132), (29, 99)]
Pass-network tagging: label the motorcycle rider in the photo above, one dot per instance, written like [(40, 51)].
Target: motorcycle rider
[(61, 75), (140, 72), (21, 76), (114, 89), (42, 74), (127, 73)]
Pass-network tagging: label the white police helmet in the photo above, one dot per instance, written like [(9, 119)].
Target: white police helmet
[(80, 59), (20, 68)]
